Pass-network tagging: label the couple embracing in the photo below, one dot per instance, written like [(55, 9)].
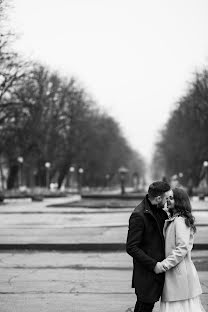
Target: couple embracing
[(160, 245)]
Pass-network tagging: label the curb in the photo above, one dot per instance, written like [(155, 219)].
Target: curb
[(65, 247), (129, 196), (77, 247)]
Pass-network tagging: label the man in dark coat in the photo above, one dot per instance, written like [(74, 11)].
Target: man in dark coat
[(145, 243)]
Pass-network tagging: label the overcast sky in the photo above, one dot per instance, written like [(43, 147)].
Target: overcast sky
[(134, 57)]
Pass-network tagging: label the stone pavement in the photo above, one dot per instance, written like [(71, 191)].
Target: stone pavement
[(66, 281), (33, 225), (73, 281)]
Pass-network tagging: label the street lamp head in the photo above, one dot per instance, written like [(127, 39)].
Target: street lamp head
[(20, 159), (81, 170), (205, 163), (47, 165), (174, 177), (123, 170), (71, 169)]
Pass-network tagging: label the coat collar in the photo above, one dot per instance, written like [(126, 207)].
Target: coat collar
[(147, 208), (168, 221)]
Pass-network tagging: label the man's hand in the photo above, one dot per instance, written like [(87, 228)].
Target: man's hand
[(159, 268)]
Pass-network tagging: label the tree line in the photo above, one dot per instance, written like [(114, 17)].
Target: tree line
[(48, 118), (182, 147)]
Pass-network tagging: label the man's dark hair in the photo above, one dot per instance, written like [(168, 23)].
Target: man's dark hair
[(158, 188)]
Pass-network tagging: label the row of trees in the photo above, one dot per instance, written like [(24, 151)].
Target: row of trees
[(183, 143), (48, 118)]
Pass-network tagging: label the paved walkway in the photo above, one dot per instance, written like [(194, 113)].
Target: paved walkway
[(75, 282), (26, 224), (54, 281)]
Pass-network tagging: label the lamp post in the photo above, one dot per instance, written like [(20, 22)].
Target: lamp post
[(71, 172), (180, 177), (20, 160), (205, 164), (48, 166), (174, 181), (135, 180), (80, 171), (122, 173), (107, 178)]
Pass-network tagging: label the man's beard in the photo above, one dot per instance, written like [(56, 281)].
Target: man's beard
[(160, 205), (170, 210)]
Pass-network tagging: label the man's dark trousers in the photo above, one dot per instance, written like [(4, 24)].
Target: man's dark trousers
[(143, 306)]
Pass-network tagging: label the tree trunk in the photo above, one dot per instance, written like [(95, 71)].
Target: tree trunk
[(13, 175)]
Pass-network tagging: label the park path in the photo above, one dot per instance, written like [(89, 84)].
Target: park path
[(73, 281)]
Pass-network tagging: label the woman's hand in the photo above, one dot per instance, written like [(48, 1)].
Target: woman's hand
[(159, 268), (164, 266)]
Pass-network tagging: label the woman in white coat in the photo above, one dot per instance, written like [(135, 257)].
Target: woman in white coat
[(182, 287)]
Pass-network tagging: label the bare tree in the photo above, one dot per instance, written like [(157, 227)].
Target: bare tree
[(183, 143)]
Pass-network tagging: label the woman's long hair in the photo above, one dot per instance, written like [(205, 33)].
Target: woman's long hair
[(183, 207)]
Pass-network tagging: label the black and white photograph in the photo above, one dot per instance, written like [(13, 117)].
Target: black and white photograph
[(103, 156)]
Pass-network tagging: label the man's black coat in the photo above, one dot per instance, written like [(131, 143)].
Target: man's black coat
[(145, 243)]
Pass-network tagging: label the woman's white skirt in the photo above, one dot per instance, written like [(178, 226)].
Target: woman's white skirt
[(189, 305)]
